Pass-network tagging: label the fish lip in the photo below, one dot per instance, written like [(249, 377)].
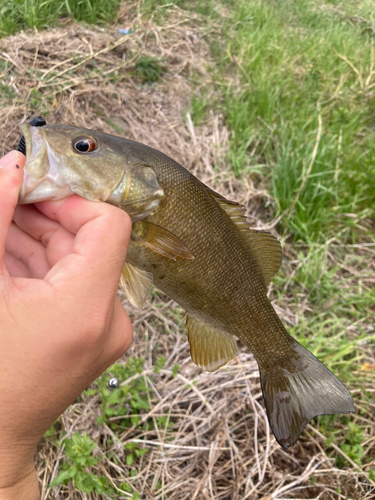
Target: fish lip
[(30, 180), (35, 149), (41, 172), (25, 129)]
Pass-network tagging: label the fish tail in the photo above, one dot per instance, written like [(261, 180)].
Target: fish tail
[(298, 390)]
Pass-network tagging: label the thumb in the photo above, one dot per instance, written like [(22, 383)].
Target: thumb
[(11, 175)]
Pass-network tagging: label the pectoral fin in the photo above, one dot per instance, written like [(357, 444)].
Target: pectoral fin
[(160, 240), (136, 284), (209, 348)]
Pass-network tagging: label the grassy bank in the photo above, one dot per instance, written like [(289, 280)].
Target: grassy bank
[(297, 88), (295, 82)]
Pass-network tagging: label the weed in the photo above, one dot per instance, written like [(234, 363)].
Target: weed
[(7, 91), (149, 69), (134, 452), (79, 451), (127, 400), (199, 108), (160, 364), (354, 438)]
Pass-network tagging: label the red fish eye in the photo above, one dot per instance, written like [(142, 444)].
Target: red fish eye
[(84, 144)]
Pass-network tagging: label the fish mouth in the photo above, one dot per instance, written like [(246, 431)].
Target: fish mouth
[(37, 121), (42, 167)]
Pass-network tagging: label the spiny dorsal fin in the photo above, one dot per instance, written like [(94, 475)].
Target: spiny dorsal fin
[(209, 348), (136, 284), (266, 248), (219, 196), (160, 240)]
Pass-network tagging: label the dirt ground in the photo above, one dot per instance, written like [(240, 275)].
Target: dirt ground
[(218, 444)]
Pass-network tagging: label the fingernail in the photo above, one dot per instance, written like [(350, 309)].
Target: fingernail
[(11, 159)]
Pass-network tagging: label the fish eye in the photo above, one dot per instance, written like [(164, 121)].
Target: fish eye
[(84, 144)]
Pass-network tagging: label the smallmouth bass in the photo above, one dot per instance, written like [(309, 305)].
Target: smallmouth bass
[(196, 247)]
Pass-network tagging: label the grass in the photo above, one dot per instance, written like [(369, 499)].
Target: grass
[(149, 69), (22, 14), (293, 66), (295, 83)]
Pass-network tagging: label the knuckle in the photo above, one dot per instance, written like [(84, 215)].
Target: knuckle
[(119, 222), (123, 220)]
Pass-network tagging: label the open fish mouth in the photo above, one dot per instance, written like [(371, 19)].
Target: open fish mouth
[(41, 172), (37, 121)]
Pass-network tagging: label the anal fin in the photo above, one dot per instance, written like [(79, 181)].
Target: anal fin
[(136, 284), (209, 348)]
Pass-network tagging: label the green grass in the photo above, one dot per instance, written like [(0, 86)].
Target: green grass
[(280, 69), (333, 327), (21, 14), (149, 69), (288, 63)]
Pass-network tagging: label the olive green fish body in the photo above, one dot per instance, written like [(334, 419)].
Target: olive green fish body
[(196, 247), (230, 292)]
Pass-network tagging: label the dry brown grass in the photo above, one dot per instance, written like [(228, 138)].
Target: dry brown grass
[(218, 445)]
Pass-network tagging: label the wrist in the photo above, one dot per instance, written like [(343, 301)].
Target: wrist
[(26, 488), (18, 478)]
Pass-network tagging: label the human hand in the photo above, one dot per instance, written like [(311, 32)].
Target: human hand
[(61, 324)]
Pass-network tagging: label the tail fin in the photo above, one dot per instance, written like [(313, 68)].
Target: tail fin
[(297, 393)]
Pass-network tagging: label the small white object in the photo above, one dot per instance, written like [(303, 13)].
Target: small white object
[(113, 383)]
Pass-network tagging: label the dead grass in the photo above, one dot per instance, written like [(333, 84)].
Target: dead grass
[(218, 445)]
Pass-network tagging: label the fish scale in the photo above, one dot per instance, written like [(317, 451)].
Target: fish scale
[(196, 247), (204, 244)]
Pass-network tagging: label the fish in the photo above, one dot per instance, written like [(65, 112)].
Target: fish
[(195, 246)]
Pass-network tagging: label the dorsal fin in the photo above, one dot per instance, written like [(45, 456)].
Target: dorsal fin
[(268, 252), (266, 248)]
